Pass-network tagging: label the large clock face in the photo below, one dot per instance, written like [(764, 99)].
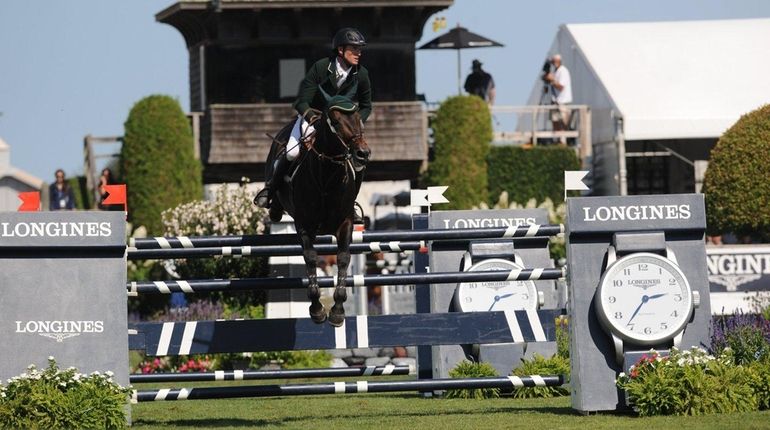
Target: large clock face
[(495, 295), (644, 298)]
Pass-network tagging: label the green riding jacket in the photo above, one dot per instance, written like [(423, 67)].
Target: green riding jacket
[(356, 87)]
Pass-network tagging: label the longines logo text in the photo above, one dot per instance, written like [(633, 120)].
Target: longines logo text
[(59, 330), (488, 222), (55, 229), (634, 213), (739, 264)]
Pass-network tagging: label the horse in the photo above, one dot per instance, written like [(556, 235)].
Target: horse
[(321, 193)]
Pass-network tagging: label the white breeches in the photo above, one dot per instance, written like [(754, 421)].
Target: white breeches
[(301, 128)]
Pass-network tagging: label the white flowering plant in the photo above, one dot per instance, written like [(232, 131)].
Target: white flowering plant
[(691, 382), (63, 399), (229, 212)]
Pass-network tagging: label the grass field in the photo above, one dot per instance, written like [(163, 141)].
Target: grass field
[(404, 411)]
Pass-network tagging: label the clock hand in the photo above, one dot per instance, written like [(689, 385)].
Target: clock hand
[(657, 296), (497, 298), (644, 300), (505, 296)]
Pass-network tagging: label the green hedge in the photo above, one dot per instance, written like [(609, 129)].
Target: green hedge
[(157, 161), (462, 131), (736, 185), (526, 173)]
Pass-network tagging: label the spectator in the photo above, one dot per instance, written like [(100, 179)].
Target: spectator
[(106, 179), (480, 83), (60, 193), (560, 84)]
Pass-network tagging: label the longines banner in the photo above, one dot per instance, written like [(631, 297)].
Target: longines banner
[(740, 268), (62, 291)]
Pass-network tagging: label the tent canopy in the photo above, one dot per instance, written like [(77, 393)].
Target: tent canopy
[(672, 80)]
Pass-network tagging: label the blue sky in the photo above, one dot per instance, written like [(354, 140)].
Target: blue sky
[(71, 68)]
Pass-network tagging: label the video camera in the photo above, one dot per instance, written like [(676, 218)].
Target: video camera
[(546, 70)]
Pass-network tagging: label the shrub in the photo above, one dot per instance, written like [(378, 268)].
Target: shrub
[(157, 160), (760, 382), (736, 186), (62, 399), (462, 132), (530, 173), (469, 369), (689, 383), (538, 365), (747, 336)]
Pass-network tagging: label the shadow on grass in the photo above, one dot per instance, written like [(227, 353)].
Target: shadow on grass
[(298, 420)]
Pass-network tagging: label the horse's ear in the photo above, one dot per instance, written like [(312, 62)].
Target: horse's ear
[(326, 95)]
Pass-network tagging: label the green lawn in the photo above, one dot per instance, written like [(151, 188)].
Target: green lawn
[(404, 411)]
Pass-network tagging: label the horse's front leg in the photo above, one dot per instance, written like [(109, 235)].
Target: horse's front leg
[(317, 311), (344, 236)]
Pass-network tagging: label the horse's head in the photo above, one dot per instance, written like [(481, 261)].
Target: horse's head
[(344, 121)]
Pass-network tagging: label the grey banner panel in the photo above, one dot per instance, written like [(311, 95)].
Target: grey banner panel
[(203, 337), (62, 229), (637, 213), (593, 360), (68, 305), (533, 251)]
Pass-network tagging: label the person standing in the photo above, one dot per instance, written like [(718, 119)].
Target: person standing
[(560, 83), (60, 194), (480, 83)]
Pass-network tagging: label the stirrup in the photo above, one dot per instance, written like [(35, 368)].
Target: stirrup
[(358, 218), (262, 199)]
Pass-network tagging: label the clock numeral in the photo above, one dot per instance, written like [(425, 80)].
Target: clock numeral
[(473, 286), (611, 299), (660, 270), (663, 326), (647, 330), (525, 296), (617, 283), (677, 297), (618, 315), (468, 300), (630, 326), (643, 267), (675, 314), (627, 272), (671, 281)]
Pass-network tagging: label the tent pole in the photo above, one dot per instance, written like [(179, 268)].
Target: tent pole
[(459, 88)]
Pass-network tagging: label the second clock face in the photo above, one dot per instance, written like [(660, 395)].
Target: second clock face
[(495, 295), (644, 298)]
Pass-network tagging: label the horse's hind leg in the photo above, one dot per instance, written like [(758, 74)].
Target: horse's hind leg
[(317, 311), (337, 313)]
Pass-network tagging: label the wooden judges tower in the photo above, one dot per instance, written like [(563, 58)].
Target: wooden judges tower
[(247, 58)]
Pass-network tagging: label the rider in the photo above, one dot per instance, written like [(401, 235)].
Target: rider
[(339, 74)]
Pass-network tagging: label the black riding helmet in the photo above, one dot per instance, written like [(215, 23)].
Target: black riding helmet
[(348, 36)]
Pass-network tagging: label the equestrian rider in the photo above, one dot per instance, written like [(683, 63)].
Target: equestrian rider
[(339, 74)]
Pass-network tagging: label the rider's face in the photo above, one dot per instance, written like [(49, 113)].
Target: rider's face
[(351, 54)]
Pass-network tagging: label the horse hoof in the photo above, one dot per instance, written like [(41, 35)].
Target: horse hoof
[(318, 316), (276, 213), (336, 319)]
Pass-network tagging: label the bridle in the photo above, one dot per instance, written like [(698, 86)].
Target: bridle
[(342, 159)]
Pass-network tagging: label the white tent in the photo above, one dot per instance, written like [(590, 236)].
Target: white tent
[(663, 81), (13, 181)]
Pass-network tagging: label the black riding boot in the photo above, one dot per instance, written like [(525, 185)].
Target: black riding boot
[(267, 194)]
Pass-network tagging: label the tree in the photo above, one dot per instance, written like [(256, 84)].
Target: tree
[(736, 185), (157, 161), (462, 132)]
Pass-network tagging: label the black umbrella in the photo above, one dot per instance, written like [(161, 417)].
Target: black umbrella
[(459, 38)]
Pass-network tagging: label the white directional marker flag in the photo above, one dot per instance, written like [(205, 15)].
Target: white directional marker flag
[(419, 198), (573, 179), (428, 197), (436, 195)]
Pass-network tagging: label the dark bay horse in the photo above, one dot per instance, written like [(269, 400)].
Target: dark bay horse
[(322, 193)]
